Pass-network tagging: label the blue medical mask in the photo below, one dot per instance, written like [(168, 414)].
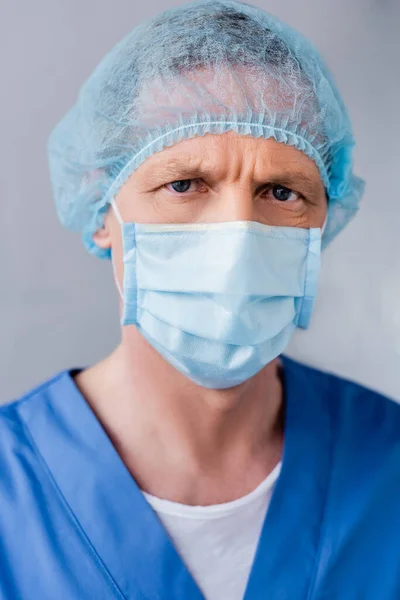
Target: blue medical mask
[(218, 301)]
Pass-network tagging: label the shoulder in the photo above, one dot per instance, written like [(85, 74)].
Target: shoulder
[(9, 411), (361, 432), (25, 483), (362, 419), (17, 453), (345, 391)]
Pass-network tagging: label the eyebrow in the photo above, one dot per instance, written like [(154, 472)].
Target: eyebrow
[(175, 170)]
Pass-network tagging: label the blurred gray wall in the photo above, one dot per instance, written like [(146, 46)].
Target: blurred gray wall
[(58, 306)]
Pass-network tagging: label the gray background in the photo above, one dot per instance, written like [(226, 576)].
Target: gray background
[(58, 306)]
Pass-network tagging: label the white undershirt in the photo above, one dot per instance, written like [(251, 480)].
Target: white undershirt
[(218, 542)]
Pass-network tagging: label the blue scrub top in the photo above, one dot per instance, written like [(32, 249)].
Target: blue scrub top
[(75, 526)]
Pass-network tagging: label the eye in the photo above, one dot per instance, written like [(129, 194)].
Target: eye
[(180, 186), (284, 194)]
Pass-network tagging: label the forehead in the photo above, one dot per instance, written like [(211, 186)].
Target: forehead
[(232, 156), (230, 150)]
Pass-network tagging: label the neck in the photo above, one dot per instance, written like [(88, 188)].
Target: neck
[(181, 441)]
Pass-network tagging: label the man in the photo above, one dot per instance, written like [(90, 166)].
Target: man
[(207, 155)]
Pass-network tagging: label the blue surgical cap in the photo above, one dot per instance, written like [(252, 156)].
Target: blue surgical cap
[(204, 67)]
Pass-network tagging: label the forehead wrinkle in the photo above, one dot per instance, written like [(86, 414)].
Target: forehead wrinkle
[(273, 168), (188, 165)]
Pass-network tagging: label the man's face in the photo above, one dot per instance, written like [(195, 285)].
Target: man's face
[(221, 177)]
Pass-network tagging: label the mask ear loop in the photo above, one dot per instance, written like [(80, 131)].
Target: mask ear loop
[(324, 225), (120, 221), (117, 213)]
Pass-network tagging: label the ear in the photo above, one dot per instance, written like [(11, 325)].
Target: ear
[(102, 237)]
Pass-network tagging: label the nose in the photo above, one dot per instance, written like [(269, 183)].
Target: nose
[(234, 203)]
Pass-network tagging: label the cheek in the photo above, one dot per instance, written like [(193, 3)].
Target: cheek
[(135, 207), (177, 210), (305, 216), (159, 208), (314, 217), (283, 214), (319, 213)]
